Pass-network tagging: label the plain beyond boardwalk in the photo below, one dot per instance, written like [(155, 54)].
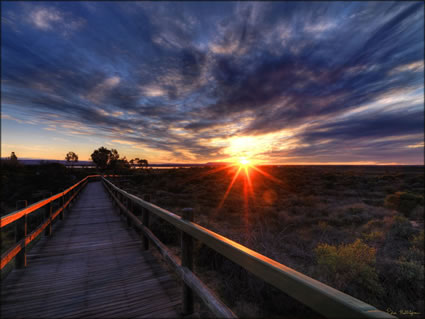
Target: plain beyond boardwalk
[(92, 266)]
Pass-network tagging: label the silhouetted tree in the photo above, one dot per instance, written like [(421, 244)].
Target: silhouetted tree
[(104, 158), (141, 162), (113, 159), (13, 158), (101, 157), (121, 164), (71, 157), (10, 162), (132, 161)]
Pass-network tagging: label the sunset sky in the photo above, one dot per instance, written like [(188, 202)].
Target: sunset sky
[(287, 83)]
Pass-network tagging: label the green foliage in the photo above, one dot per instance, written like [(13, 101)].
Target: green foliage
[(401, 228), (407, 276), (404, 202), (348, 265)]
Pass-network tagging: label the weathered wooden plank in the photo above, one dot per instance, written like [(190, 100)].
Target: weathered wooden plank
[(213, 303), (93, 266)]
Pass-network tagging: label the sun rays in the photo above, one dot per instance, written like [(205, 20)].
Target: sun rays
[(248, 172)]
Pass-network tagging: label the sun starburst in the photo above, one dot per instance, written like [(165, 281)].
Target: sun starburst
[(244, 161)]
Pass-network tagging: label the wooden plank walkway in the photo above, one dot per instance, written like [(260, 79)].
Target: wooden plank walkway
[(92, 266)]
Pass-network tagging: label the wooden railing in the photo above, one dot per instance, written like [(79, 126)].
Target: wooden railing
[(321, 298), (20, 219)]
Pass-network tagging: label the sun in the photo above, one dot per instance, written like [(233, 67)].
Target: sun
[(244, 161)]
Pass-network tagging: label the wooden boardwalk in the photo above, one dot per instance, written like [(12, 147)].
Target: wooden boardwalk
[(92, 266)]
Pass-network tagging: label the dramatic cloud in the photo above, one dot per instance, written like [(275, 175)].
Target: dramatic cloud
[(278, 81)]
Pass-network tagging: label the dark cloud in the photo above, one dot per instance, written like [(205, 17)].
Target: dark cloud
[(220, 69), (370, 126)]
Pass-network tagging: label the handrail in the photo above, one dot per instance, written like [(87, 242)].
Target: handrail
[(13, 216), (20, 217), (10, 218), (322, 298), (219, 309)]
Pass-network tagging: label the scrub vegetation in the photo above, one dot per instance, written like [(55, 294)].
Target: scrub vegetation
[(358, 229)]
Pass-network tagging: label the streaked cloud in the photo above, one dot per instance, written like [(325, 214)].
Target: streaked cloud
[(52, 19), (195, 81), (123, 142)]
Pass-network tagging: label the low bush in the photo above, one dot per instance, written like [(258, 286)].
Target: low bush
[(418, 241), (350, 267), (374, 236), (403, 281), (404, 202), (401, 228)]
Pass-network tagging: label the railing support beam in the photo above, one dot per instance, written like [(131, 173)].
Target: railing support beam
[(145, 221), (49, 210), (21, 229), (187, 261), (62, 213), (129, 205)]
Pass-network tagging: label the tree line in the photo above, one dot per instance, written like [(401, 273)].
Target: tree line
[(110, 159), (103, 158)]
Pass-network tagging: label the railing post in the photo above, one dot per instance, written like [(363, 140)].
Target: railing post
[(70, 194), (62, 213), (137, 211), (121, 201), (130, 208), (49, 208), (187, 261), (145, 221), (21, 229)]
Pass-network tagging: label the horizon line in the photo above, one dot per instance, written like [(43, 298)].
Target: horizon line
[(227, 162)]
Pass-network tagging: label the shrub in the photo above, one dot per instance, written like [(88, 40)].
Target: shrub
[(374, 236), (415, 255), (404, 202), (373, 223), (403, 280), (346, 266), (416, 250), (401, 228), (418, 241)]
